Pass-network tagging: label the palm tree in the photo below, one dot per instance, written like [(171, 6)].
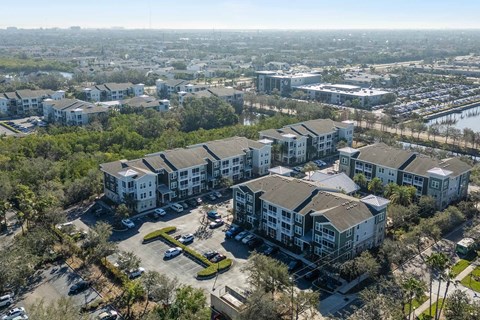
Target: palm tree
[(448, 276), (390, 189), (375, 186), (437, 262), (414, 289), (360, 179), (403, 195), (308, 168)]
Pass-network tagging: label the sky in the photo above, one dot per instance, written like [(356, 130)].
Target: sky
[(242, 14)]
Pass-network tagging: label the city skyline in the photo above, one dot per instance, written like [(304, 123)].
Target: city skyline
[(228, 14)]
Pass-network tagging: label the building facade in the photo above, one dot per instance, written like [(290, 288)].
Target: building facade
[(113, 91), (445, 180), (186, 172), (302, 217), (266, 81), (28, 102), (71, 112), (304, 141)]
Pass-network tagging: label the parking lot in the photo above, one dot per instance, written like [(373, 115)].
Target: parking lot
[(54, 283)]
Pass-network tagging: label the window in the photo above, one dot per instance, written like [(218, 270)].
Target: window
[(348, 244), (349, 232), (381, 170), (249, 209), (298, 242), (298, 230), (249, 198), (298, 218), (317, 238), (272, 208), (316, 250), (381, 217), (435, 184), (173, 185), (286, 215), (344, 160), (318, 226)]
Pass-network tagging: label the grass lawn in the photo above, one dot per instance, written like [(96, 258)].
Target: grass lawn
[(425, 313), (470, 280), (458, 267), (415, 303)]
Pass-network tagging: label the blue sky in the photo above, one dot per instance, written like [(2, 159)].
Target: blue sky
[(244, 14)]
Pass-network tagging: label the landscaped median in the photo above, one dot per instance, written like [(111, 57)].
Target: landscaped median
[(211, 269), (3, 124)]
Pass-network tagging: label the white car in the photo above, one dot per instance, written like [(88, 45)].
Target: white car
[(13, 313), (136, 273), (241, 235), (248, 238), (176, 207), (128, 223), (6, 300), (173, 252), (186, 238), (217, 194), (108, 315), (160, 212)]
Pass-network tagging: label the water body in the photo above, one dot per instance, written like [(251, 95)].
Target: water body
[(408, 145), (469, 118), (249, 118)]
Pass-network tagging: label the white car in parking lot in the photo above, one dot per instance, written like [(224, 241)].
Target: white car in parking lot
[(6, 300), (173, 252), (241, 235), (160, 212), (186, 238), (248, 238), (14, 313), (128, 223), (136, 273)]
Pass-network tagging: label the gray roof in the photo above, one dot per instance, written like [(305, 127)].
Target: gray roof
[(112, 86), (384, 155), (230, 147), (142, 102), (178, 159), (344, 217), (339, 181), (29, 94), (223, 92), (290, 194), (121, 168), (73, 104), (310, 128)]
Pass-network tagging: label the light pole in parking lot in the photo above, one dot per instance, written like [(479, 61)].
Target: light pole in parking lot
[(216, 276)]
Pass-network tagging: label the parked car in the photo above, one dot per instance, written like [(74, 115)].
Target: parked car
[(199, 201), (270, 250), (192, 202), (218, 194), (233, 231), (160, 212), (255, 243), (183, 204), (176, 207), (219, 257), (241, 235), (248, 238), (312, 275), (13, 313), (210, 254), (215, 224), (173, 252), (212, 197), (24, 317), (186, 238), (297, 169), (128, 223), (79, 287), (136, 273), (6, 300), (213, 215), (294, 265), (108, 315)]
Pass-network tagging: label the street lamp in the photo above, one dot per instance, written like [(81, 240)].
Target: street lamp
[(291, 298), (216, 277)]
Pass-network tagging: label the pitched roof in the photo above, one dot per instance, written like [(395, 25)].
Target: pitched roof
[(344, 217), (384, 155), (112, 86), (339, 181), (76, 105), (29, 94)]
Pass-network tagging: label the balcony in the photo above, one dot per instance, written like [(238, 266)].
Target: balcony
[(358, 166), (418, 183), (328, 237), (368, 169), (272, 224), (288, 232), (407, 180)]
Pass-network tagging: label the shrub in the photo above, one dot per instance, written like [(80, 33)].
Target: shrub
[(115, 273), (210, 268), (156, 234), (93, 305)]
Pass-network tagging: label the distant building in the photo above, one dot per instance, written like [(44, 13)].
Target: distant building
[(165, 88), (266, 81), (27, 102), (445, 180), (147, 102), (159, 178), (113, 91), (341, 93), (366, 80), (229, 95), (300, 142), (300, 216), (71, 112)]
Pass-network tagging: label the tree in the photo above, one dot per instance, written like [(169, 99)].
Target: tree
[(437, 263), (460, 307), (97, 244), (448, 277), (400, 216), (267, 274), (260, 305), (159, 287), (309, 168), (414, 289), (403, 195), (133, 291), (360, 179), (426, 206), (190, 304), (122, 212), (127, 261), (375, 186), (63, 308)]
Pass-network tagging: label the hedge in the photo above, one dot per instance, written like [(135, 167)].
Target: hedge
[(9, 127), (115, 273), (156, 234), (210, 268)]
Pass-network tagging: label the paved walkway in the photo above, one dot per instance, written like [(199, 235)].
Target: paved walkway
[(455, 284)]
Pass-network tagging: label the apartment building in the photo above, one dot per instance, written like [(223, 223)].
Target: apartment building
[(229, 95), (185, 172), (71, 112), (165, 88), (27, 102), (303, 217), (147, 102), (266, 81), (339, 94), (445, 180), (304, 141), (3, 105), (113, 91)]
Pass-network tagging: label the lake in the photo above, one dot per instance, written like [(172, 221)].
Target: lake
[(469, 118)]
